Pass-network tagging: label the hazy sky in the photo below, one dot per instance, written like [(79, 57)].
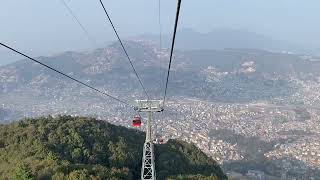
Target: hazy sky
[(41, 27)]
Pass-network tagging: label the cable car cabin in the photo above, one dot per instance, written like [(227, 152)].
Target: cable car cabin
[(136, 122)]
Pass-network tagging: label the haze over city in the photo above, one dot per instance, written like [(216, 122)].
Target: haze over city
[(46, 28)]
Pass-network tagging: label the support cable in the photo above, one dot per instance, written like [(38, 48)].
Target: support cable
[(172, 48), (161, 116), (124, 49), (85, 31), (63, 74), (160, 24), (161, 82)]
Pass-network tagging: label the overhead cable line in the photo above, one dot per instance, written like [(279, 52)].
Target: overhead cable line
[(63, 74), (161, 81), (124, 49), (160, 24), (86, 32), (172, 48)]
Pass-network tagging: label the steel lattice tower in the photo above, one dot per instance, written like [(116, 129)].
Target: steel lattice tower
[(148, 171)]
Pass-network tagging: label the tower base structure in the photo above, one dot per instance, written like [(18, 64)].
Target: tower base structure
[(148, 166)]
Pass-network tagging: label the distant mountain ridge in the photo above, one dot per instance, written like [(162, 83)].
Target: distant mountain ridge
[(220, 39)]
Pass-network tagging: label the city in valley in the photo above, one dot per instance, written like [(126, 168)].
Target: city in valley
[(254, 120)]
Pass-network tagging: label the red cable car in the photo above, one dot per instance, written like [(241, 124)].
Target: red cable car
[(136, 121)]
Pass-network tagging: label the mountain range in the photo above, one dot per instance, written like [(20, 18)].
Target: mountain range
[(226, 88), (220, 39), (217, 39), (230, 75)]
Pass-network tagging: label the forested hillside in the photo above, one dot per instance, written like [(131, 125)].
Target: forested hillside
[(83, 148)]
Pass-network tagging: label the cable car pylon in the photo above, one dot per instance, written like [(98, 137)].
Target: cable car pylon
[(148, 171)]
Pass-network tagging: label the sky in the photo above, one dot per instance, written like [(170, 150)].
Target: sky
[(39, 27)]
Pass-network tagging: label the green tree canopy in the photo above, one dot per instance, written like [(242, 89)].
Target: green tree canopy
[(70, 148)]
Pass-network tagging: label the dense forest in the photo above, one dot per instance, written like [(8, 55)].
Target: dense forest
[(79, 148)]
